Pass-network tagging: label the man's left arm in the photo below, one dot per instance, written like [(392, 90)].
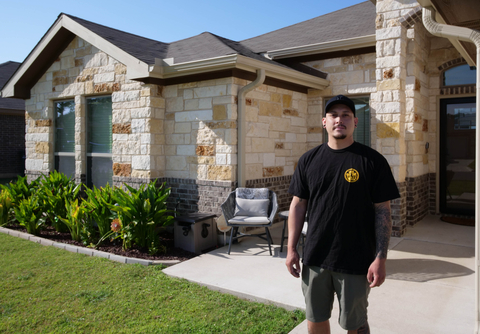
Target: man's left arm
[(383, 228)]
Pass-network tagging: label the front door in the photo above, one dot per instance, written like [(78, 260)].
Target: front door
[(457, 156)]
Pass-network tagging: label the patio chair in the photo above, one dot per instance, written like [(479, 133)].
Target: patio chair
[(250, 207)]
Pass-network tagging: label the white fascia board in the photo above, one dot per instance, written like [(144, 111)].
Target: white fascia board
[(456, 44), (339, 45), (7, 90), (135, 67), (164, 71)]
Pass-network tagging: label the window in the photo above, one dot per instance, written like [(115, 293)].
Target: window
[(459, 75), (65, 137), (362, 112), (99, 141)]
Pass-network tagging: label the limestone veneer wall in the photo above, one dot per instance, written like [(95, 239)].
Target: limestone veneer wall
[(201, 130), (276, 121), (201, 140), (138, 110)]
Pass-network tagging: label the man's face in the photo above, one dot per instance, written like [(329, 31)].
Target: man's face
[(340, 122)]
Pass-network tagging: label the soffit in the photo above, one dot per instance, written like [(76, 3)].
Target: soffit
[(465, 13)]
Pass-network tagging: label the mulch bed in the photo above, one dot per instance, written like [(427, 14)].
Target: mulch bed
[(172, 253)]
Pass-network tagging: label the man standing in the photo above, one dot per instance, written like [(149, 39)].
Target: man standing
[(346, 187)]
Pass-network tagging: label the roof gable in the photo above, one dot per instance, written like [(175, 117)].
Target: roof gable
[(152, 61), (139, 47)]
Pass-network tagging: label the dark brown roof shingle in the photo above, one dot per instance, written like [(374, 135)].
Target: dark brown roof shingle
[(6, 71), (350, 22)]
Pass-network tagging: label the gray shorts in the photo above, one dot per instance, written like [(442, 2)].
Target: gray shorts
[(319, 286)]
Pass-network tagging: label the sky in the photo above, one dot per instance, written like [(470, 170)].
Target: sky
[(24, 22)]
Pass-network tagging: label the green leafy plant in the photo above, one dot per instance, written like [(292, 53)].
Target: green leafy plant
[(55, 191), (29, 214), (97, 205), (74, 220), (5, 207), (143, 213), (20, 189)]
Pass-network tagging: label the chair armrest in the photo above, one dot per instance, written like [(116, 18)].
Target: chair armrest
[(274, 207), (228, 207)]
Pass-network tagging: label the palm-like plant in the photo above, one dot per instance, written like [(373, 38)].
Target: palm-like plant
[(143, 213)]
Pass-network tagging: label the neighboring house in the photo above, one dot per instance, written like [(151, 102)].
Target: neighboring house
[(206, 113), (12, 128)]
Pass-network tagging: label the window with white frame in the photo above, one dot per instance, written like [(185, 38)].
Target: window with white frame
[(99, 141), (65, 137)]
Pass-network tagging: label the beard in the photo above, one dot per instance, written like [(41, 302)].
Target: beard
[(342, 136)]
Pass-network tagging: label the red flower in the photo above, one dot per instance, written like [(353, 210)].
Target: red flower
[(116, 226)]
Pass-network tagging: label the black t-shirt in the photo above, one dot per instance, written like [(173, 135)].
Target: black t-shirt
[(342, 187)]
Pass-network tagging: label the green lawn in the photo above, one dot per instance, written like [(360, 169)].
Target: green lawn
[(49, 290)]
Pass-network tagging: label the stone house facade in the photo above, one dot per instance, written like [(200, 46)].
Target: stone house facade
[(177, 118)]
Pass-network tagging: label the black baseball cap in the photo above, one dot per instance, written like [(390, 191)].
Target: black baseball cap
[(340, 99)]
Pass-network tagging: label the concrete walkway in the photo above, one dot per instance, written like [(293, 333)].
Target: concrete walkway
[(429, 286)]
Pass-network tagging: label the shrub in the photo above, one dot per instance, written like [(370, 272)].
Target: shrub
[(5, 207), (29, 214), (20, 189), (143, 213), (97, 205), (55, 191), (74, 220)]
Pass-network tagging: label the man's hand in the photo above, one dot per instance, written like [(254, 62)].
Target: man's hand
[(377, 272), (296, 219), (293, 263)]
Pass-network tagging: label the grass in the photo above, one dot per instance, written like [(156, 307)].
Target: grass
[(48, 290)]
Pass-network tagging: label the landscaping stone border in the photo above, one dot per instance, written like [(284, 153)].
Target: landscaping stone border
[(86, 251)]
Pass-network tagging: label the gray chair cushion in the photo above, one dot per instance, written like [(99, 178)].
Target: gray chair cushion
[(247, 220), (251, 207)]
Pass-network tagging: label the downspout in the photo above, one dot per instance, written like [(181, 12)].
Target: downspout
[(468, 35), (242, 126)]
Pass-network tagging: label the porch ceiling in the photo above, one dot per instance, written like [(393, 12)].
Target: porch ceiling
[(465, 13)]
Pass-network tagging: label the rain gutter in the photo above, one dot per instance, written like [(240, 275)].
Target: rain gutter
[(242, 125), (468, 35)]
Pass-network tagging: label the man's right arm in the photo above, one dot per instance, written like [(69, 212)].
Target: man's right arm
[(296, 219)]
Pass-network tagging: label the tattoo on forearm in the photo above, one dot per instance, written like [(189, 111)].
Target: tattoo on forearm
[(383, 229)]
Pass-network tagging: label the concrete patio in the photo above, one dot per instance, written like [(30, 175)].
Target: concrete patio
[(429, 286)]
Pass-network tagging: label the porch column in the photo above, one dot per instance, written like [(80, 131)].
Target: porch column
[(389, 103)]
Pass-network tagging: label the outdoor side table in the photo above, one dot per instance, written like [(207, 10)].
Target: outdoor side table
[(284, 216), (195, 232)]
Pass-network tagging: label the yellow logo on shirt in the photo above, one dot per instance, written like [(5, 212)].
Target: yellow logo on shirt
[(351, 175)]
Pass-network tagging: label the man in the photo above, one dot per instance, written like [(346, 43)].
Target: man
[(346, 187)]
